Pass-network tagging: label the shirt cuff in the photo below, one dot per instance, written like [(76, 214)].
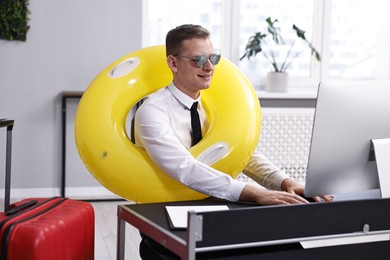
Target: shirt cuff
[(232, 193)]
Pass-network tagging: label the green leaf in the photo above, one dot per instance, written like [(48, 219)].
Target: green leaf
[(274, 31), (300, 33)]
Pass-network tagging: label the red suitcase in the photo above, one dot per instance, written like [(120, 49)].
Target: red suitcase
[(45, 229)]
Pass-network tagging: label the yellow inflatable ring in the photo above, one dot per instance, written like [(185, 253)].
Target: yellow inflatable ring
[(232, 109)]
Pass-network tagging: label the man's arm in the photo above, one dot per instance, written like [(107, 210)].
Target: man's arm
[(153, 130), (264, 172)]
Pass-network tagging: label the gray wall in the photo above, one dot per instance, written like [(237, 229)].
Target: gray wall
[(69, 43)]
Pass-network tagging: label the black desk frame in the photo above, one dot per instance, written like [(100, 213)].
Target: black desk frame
[(64, 98), (281, 225)]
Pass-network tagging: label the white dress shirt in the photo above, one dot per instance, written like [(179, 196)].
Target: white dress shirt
[(163, 129)]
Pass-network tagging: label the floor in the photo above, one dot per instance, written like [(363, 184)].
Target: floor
[(106, 230)]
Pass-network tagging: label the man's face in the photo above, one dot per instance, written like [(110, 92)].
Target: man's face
[(188, 76)]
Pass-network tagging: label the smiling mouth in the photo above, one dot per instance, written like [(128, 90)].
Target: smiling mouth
[(205, 76)]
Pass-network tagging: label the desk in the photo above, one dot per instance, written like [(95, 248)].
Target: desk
[(250, 232), (64, 98)]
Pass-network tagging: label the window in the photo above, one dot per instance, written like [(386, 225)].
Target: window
[(358, 43), (353, 36), (252, 19), (165, 15)]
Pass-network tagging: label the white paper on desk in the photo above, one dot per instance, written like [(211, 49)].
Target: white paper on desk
[(178, 214)]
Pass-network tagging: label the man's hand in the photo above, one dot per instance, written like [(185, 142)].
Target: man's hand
[(266, 197), (294, 187)]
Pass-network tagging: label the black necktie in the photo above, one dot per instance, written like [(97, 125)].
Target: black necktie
[(195, 124)]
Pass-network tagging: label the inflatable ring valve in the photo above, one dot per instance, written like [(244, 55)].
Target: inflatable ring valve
[(231, 106)]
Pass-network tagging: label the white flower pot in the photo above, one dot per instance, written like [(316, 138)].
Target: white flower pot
[(276, 82)]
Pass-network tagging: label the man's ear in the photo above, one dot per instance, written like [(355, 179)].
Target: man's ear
[(171, 61)]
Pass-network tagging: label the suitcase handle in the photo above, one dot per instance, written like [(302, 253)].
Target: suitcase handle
[(21, 207), (9, 124)]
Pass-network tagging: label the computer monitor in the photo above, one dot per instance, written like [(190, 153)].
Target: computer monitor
[(347, 116)]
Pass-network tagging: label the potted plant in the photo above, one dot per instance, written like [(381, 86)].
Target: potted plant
[(267, 44)]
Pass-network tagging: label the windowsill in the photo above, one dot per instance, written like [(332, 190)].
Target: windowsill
[(294, 93)]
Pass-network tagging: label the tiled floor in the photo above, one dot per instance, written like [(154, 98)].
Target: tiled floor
[(106, 230)]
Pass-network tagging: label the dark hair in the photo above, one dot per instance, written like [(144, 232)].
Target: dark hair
[(176, 37)]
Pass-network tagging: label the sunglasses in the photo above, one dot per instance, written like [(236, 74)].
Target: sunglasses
[(201, 60)]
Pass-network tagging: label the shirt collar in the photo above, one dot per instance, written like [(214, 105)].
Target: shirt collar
[(181, 97)]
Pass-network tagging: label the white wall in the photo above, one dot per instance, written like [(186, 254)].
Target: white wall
[(68, 44)]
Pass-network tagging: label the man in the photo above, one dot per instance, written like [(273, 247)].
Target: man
[(163, 128)]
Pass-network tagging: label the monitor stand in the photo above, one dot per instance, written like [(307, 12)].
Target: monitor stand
[(382, 156)]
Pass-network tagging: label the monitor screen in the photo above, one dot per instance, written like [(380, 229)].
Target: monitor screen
[(348, 115)]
